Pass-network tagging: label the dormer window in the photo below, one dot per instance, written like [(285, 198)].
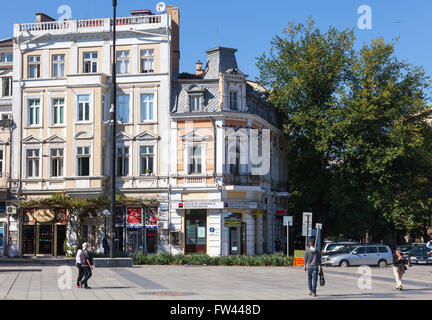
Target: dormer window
[(195, 103), (233, 100)]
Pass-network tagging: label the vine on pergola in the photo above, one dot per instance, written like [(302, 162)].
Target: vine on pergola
[(78, 209)]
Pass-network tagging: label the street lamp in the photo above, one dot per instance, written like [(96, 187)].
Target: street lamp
[(113, 112)]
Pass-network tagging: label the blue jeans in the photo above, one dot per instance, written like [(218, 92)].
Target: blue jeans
[(312, 278)]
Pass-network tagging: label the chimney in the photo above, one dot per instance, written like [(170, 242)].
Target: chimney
[(198, 68), (175, 38), (42, 17)]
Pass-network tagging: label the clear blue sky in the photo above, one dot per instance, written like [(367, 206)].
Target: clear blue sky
[(249, 25)]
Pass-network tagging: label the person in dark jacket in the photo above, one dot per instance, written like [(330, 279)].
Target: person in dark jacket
[(86, 266), (312, 261), (105, 244), (398, 268)]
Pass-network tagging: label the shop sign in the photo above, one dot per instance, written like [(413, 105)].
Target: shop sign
[(163, 206), (232, 222), (202, 204), (134, 218), (242, 205), (281, 212), (257, 212), (60, 216)]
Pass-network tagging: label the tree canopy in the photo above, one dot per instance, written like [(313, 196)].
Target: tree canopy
[(359, 140)]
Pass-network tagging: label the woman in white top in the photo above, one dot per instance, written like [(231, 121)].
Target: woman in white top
[(79, 266)]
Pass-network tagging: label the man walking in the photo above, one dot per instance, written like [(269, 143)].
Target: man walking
[(86, 266), (312, 260)]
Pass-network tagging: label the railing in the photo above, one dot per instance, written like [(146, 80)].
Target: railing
[(43, 26), (195, 180), (242, 180), (88, 23)]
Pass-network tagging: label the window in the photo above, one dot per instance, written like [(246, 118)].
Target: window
[(34, 67), (195, 103), (371, 250), (233, 101), (83, 108), (123, 161), (57, 111), (90, 62), (7, 57), (34, 112), (146, 158), (103, 161), (104, 111), (147, 61), (32, 163), (83, 157), (361, 250), (58, 65), (7, 87), (56, 162), (1, 163), (147, 101), (235, 157), (194, 164), (382, 250), (122, 62), (123, 107)]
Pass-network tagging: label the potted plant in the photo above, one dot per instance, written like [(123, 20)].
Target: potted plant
[(147, 172)]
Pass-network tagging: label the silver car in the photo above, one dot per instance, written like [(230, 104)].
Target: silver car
[(357, 255)]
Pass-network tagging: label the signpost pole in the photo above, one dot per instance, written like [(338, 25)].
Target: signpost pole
[(228, 241), (307, 232), (287, 240)]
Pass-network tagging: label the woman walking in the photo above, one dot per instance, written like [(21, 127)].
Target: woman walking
[(398, 268), (79, 266)]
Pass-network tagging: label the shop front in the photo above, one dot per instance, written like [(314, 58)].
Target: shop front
[(43, 232), (195, 230)]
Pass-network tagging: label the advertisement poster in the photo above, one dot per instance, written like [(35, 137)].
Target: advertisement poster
[(134, 217), (151, 218)]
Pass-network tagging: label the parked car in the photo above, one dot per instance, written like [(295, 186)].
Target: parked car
[(419, 255), (363, 254), (337, 250), (405, 250), (334, 246)]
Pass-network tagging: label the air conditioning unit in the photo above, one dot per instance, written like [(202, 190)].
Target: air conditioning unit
[(11, 210), (163, 225)]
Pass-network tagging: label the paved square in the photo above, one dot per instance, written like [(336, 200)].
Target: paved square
[(206, 283)]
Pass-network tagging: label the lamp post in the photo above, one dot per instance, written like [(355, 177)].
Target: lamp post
[(113, 112)]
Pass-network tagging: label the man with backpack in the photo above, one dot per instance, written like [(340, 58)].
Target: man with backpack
[(312, 260)]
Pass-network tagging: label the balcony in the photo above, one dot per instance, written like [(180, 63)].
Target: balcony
[(90, 25), (242, 180)]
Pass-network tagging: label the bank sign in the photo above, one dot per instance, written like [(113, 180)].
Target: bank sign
[(202, 204)]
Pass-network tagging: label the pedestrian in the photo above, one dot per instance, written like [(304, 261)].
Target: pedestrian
[(429, 246), (399, 268), (312, 261), (86, 266), (105, 244), (79, 266), (278, 245)]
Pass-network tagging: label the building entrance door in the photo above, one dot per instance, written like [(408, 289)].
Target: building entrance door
[(45, 239), (61, 237), (28, 239), (196, 231), (134, 240), (235, 241)]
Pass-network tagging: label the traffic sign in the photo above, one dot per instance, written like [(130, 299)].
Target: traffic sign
[(287, 220), (307, 224), (318, 226)]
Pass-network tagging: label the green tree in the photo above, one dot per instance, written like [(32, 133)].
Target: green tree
[(353, 119)]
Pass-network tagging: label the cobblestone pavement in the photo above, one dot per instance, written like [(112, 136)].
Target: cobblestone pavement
[(208, 283)]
